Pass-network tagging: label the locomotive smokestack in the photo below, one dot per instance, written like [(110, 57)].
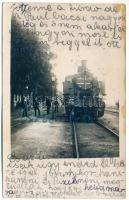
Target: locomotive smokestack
[(84, 65), (82, 68), (84, 62)]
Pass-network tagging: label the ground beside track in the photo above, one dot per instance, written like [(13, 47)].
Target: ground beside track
[(94, 141), (111, 120), (51, 139), (54, 138)]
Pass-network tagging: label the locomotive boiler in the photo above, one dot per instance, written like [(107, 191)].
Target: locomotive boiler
[(83, 94)]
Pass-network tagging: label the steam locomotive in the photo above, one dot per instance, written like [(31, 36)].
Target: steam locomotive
[(83, 95)]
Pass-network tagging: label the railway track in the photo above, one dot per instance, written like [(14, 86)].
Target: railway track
[(107, 128), (89, 140), (15, 124), (79, 142), (115, 112), (75, 139)]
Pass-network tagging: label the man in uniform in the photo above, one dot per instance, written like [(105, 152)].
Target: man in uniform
[(36, 106), (48, 105)]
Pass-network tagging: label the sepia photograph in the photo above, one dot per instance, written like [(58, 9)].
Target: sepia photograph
[(64, 103), (63, 119)]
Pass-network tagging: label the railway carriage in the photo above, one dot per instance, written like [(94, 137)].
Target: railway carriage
[(83, 93)]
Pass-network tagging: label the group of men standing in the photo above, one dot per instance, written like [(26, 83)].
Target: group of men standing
[(25, 105)]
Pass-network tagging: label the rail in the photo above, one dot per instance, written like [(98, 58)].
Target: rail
[(112, 111), (107, 128), (75, 139)]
